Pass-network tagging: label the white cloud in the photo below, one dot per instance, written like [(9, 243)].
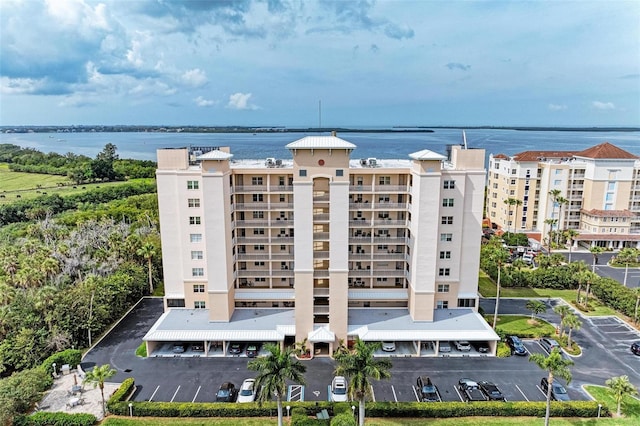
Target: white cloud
[(603, 105), (202, 102), (556, 107), (240, 101), (194, 78)]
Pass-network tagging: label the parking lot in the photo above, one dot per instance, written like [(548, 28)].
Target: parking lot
[(605, 342)]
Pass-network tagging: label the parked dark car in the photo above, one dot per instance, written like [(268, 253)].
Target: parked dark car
[(227, 393), (558, 392), (428, 392), (470, 390), (635, 348), (178, 348), (492, 391), (480, 346), (235, 348), (252, 350), (516, 346)]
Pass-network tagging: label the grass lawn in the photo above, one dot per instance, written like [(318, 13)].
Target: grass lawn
[(459, 421), (630, 405), (519, 325), (141, 351), (487, 288)]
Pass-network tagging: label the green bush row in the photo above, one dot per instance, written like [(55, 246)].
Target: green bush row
[(121, 394), (55, 419), (69, 356)]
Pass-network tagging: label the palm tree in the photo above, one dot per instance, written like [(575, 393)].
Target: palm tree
[(550, 222), (563, 311), (555, 365), (360, 367), (273, 371), (561, 201), (498, 255), (619, 387), (536, 307), (626, 256), (583, 277), (595, 251), (570, 235), (509, 202), (517, 203), (98, 376), (573, 322), (148, 252)]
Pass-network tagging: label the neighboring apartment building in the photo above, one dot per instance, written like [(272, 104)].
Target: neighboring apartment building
[(601, 185), (320, 248)]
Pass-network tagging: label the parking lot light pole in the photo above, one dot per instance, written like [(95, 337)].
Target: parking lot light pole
[(353, 410), (130, 409), (288, 408), (599, 408)]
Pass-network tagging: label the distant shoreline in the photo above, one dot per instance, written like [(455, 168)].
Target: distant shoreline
[(242, 129)]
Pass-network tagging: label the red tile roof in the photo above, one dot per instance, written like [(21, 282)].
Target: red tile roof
[(608, 213), (606, 150), (501, 157), (537, 155)]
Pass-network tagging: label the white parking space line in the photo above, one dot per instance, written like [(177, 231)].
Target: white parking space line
[(395, 397), (459, 396), (373, 395), (154, 393), (175, 393), (520, 390), (541, 391), (415, 392), (196, 395)]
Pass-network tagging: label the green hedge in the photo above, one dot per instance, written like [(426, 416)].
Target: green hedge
[(121, 394), (55, 419), (69, 356)]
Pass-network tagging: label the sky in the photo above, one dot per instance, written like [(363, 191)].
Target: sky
[(320, 63)]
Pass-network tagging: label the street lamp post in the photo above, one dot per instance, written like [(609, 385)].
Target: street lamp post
[(288, 408), (353, 410), (130, 409), (54, 368), (599, 408)]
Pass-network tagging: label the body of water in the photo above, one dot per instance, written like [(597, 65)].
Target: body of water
[(143, 146)]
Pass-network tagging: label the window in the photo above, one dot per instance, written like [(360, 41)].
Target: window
[(447, 220), (198, 288), (256, 181), (442, 304), (558, 171), (339, 172), (513, 181), (258, 198), (443, 288), (466, 303), (195, 238), (447, 202), (258, 231), (611, 186), (444, 272), (513, 171), (446, 237), (258, 247), (384, 180), (194, 202), (303, 173), (449, 184), (199, 304), (445, 255), (193, 184), (197, 272), (258, 215), (196, 255), (194, 220), (175, 303), (260, 263), (557, 182)]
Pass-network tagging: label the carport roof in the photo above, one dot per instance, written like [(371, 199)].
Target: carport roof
[(191, 325), (397, 325)]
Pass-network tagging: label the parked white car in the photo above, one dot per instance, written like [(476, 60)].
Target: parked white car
[(247, 391), (444, 347), (389, 346), (339, 389), (463, 345)]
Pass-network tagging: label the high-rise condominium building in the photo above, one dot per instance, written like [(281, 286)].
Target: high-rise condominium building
[(595, 191), (320, 248)]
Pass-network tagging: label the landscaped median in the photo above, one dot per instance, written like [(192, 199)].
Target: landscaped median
[(307, 410)]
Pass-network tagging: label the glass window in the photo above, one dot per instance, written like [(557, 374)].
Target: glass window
[(198, 288), (447, 220), (446, 237), (197, 272), (193, 184), (196, 255), (303, 173), (195, 238), (449, 184), (443, 288), (444, 272), (445, 255), (194, 202), (447, 202), (466, 303), (256, 181), (339, 172), (384, 180), (175, 303), (258, 198), (199, 304), (194, 220), (258, 215), (442, 304)]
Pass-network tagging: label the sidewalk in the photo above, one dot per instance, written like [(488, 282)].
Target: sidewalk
[(58, 397)]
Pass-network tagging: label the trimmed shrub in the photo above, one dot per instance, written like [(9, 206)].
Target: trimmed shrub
[(125, 389), (69, 356), (55, 419), (343, 419), (503, 350)]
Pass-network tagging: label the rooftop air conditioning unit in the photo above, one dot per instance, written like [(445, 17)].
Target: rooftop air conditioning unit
[(363, 162), (270, 162), (278, 163), (372, 162)]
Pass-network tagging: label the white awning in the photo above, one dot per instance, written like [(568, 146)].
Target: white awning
[(321, 334)]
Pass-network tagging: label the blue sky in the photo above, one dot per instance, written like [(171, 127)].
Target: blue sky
[(270, 62)]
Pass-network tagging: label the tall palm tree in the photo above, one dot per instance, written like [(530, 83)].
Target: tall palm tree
[(619, 387), (550, 222), (563, 311), (97, 376), (509, 202), (555, 365), (595, 251), (498, 255), (626, 256), (536, 307), (148, 252), (583, 277), (273, 371), (561, 201), (517, 203), (570, 235), (360, 367), (572, 321)]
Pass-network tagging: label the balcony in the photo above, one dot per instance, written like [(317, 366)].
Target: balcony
[(391, 188), (320, 254), (320, 236), (322, 217), (389, 222), (252, 223), (360, 188), (360, 222), (362, 205), (321, 309), (384, 205), (243, 257), (238, 189), (321, 292), (282, 273), (281, 239), (281, 206), (389, 240), (281, 188), (321, 198), (251, 206), (258, 239), (321, 273)]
